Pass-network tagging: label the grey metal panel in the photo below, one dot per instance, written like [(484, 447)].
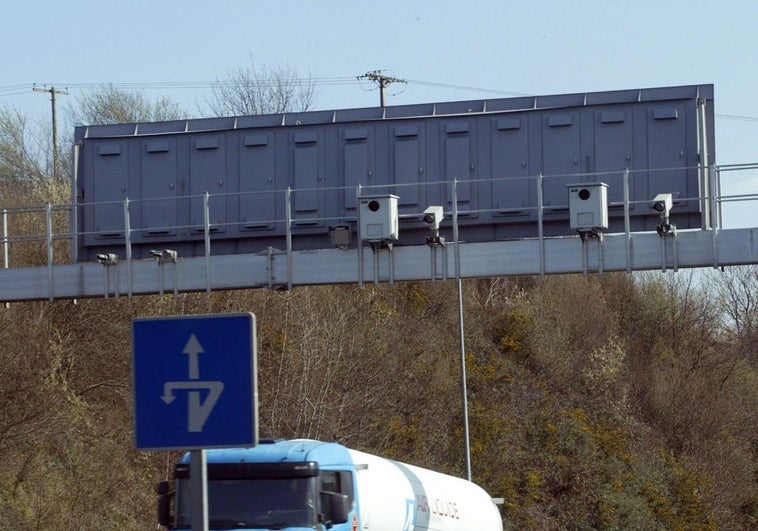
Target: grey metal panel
[(154, 128), (357, 162), (259, 121), (307, 176), (208, 173), (613, 150), (560, 100), (408, 162), (211, 124), (561, 153), (613, 97), (410, 111), (109, 185), (159, 183), (359, 115), (460, 162), (308, 118), (667, 151), (512, 104), (460, 107), (513, 195), (257, 174), (108, 131)]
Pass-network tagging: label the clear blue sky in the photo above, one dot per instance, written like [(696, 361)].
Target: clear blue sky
[(528, 47)]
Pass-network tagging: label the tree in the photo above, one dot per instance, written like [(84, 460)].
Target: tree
[(254, 89), (111, 105), (738, 290), (20, 158)]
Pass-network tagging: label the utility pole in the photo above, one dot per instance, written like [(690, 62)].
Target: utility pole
[(53, 92), (380, 79)]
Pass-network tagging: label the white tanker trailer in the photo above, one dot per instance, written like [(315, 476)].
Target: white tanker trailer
[(304, 485)]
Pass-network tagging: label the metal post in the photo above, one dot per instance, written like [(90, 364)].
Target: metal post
[(74, 212), (433, 256), (540, 228), (715, 212), (585, 256), (5, 244), (49, 241), (207, 234), (704, 168), (360, 234), (5, 238), (199, 488), (106, 281), (627, 222), (161, 277), (375, 254), (128, 244), (464, 392), (288, 211)]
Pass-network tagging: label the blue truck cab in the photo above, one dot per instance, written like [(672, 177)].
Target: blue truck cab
[(292, 485)]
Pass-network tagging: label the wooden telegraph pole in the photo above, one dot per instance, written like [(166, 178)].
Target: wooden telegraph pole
[(380, 79), (53, 92)]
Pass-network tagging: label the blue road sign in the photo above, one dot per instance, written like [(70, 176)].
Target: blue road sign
[(195, 382)]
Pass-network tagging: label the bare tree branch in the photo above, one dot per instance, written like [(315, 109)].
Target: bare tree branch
[(261, 89)]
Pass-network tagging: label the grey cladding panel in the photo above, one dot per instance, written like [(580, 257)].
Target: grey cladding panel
[(408, 162), (158, 175), (460, 162), (110, 185), (614, 150), (257, 177), (208, 173), (512, 192), (561, 155), (307, 177), (357, 162), (667, 151)]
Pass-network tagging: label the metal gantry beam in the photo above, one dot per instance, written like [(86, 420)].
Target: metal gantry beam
[(279, 269)]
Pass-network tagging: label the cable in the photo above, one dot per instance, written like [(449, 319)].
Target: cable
[(464, 87), (23, 88), (737, 117)]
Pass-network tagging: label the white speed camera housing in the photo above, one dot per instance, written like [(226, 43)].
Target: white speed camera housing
[(588, 206), (379, 218)]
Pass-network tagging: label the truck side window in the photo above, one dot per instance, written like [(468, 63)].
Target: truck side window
[(339, 481)]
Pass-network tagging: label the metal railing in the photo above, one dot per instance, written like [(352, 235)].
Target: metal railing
[(43, 224)]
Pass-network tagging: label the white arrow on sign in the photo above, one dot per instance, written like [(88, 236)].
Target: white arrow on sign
[(198, 411), (192, 349)]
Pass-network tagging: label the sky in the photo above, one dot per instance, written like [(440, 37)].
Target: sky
[(444, 49)]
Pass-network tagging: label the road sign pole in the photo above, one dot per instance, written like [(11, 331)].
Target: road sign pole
[(199, 487)]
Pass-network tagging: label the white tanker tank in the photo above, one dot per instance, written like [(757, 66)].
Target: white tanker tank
[(303, 485)]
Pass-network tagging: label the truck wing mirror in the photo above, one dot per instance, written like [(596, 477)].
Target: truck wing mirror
[(334, 507)]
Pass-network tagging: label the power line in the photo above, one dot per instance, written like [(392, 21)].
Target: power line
[(737, 117), (464, 87), (375, 76)]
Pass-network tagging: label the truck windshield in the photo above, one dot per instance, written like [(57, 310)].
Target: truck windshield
[(252, 503)]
